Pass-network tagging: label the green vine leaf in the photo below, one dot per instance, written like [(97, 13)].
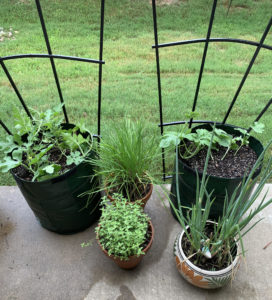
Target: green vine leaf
[(258, 127), (8, 164), (51, 169)]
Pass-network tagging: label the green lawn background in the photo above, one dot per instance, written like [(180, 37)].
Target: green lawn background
[(129, 75)]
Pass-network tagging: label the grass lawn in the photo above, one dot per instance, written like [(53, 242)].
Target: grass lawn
[(129, 75)]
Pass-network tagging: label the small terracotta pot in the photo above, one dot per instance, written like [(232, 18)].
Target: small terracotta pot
[(143, 200), (134, 260), (199, 277)]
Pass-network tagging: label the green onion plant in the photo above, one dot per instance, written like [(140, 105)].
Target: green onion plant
[(236, 221)]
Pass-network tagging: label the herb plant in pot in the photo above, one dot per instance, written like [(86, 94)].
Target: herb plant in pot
[(207, 253), (124, 233), (46, 158), (126, 157), (234, 152)]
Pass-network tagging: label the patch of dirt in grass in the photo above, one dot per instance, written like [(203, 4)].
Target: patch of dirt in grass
[(241, 6), (167, 2), (7, 34), (24, 2), (7, 84), (235, 7), (240, 63)]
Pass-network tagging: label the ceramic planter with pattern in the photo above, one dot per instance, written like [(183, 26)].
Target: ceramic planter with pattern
[(200, 277)]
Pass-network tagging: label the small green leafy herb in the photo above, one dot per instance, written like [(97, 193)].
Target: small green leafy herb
[(123, 227)]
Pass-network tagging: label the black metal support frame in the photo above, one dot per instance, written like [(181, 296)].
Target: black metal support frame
[(206, 41), (52, 56)]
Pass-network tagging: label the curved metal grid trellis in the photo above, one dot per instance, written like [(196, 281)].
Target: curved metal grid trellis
[(207, 40), (52, 56)]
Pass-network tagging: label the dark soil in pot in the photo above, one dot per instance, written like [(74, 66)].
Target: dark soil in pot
[(232, 166), (205, 263), (55, 156)]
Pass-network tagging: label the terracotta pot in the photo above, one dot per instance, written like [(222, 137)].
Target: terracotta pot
[(143, 200), (200, 277), (134, 260)]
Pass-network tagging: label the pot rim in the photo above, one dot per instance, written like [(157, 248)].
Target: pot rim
[(147, 196), (223, 178), (132, 256), (203, 271)]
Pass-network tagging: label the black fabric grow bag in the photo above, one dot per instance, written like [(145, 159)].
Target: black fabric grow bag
[(56, 202), (187, 179)]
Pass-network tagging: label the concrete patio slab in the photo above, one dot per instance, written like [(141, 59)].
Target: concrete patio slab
[(38, 264)]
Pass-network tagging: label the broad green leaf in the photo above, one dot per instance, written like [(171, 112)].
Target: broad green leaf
[(5, 145), (17, 154), (17, 139), (185, 135), (80, 139), (51, 169), (243, 131), (224, 141), (204, 133), (74, 157), (8, 164), (170, 138), (258, 127)]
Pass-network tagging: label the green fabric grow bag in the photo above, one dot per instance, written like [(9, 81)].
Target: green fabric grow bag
[(56, 202), (187, 179)]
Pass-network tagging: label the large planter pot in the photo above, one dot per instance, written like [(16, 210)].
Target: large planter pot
[(187, 179), (56, 202), (143, 200), (134, 260), (200, 277)]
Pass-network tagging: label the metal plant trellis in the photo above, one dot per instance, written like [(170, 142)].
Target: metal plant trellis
[(206, 42), (52, 56)]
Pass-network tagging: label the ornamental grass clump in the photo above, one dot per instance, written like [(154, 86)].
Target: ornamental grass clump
[(213, 246), (127, 157), (123, 228)]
